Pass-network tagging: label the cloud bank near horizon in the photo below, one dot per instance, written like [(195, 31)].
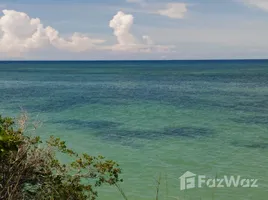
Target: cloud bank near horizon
[(19, 34), (134, 30)]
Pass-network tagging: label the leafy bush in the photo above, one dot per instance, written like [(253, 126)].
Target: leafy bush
[(29, 168), (9, 139)]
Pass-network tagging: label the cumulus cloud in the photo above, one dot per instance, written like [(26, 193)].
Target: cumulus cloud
[(262, 4), (122, 23), (174, 10), (19, 34)]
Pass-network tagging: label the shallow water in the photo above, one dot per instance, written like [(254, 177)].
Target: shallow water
[(154, 118)]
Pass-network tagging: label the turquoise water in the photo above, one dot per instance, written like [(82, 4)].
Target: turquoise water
[(155, 118)]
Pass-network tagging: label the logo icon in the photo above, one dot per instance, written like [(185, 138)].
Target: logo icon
[(187, 180)]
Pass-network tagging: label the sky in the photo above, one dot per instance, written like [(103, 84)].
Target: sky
[(133, 29)]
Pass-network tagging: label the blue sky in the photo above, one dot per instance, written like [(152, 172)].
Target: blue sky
[(133, 29)]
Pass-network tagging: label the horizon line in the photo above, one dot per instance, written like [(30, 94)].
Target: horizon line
[(235, 59)]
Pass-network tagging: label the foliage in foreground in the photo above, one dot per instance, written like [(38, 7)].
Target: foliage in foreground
[(29, 168)]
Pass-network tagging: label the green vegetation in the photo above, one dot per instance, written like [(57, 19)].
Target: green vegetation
[(29, 168)]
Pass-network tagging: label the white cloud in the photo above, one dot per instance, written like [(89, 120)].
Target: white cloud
[(171, 10), (76, 43), (122, 23), (174, 10), (19, 34), (262, 4)]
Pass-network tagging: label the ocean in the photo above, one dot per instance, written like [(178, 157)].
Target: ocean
[(155, 118)]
